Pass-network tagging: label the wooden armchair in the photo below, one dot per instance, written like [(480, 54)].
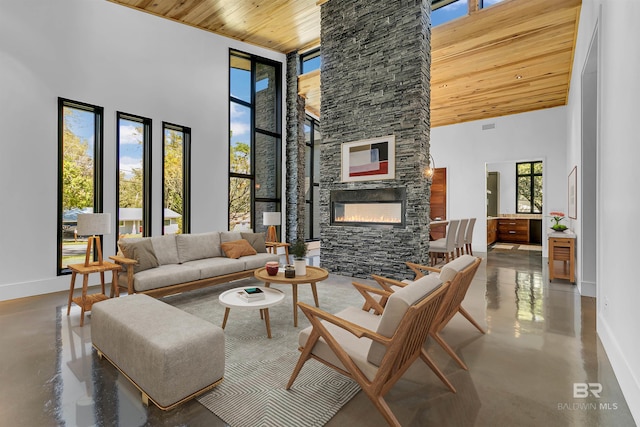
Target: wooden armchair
[(460, 272), (374, 350)]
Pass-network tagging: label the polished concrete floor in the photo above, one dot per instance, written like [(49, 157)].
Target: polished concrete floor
[(540, 343)]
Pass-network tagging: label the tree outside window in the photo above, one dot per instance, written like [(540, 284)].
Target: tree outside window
[(529, 187)]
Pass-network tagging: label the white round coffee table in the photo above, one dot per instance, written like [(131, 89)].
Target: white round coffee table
[(231, 299)]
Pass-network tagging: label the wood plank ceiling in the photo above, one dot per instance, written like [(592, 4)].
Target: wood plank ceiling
[(510, 58)]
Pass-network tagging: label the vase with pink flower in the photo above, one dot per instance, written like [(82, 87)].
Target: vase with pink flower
[(556, 218)]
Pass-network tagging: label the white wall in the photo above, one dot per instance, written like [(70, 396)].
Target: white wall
[(123, 60), (465, 149), (507, 186), (617, 195)]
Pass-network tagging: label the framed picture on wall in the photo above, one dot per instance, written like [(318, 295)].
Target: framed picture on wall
[(573, 193), (369, 160)]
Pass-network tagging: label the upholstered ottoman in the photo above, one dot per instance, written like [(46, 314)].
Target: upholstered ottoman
[(171, 356)]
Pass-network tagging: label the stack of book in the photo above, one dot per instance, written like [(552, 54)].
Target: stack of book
[(251, 294)]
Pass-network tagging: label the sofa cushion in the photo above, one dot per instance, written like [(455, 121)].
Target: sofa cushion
[(166, 249), (230, 236), (164, 275), (395, 309), (257, 240), (212, 267), (198, 246), (258, 260), (141, 251), (237, 248)]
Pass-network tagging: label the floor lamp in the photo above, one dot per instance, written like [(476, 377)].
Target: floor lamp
[(271, 219), (93, 225)]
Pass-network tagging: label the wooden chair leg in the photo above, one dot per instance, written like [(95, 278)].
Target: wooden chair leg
[(427, 359), (449, 350), (471, 319)]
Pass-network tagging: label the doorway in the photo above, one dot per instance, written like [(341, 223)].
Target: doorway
[(589, 162)]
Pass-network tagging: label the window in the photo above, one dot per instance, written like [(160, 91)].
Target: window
[(80, 133), (255, 140), (313, 139), (134, 175), (443, 11), (529, 187), (446, 10), (176, 154), (310, 61)]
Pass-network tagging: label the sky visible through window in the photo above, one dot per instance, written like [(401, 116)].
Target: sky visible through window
[(455, 10), (240, 120)]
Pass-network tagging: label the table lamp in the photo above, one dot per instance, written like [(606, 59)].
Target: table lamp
[(271, 219), (93, 225)]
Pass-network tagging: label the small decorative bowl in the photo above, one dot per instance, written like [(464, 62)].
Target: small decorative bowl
[(272, 268)]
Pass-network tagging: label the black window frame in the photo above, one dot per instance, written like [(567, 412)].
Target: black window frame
[(311, 54), (98, 167), (146, 171), (531, 176), (251, 176), (186, 173), (309, 202)]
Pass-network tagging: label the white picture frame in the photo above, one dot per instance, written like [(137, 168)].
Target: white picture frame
[(369, 159)]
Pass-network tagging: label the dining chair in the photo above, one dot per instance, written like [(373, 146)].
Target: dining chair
[(445, 245), (462, 229), (468, 236)]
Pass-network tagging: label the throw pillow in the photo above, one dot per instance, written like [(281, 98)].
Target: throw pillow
[(141, 251), (237, 248), (257, 240)]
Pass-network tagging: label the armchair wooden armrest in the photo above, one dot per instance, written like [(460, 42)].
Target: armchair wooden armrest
[(387, 283), (369, 301), (128, 263), (420, 269), (315, 314)]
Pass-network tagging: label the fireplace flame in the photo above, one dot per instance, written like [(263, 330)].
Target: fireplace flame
[(371, 219)]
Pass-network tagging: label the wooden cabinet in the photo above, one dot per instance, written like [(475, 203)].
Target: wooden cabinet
[(492, 231), (513, 230), (438, 202), (562, 258)]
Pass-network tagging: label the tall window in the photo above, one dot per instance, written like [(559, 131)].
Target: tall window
[(529, 187), (176, 152), (255, 140), (313, 138), (134, 175), (79, 175)]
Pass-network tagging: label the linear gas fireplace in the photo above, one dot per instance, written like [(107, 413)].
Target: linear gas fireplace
[(383, 207)]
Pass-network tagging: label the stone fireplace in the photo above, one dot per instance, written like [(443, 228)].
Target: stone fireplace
[(375, 84)]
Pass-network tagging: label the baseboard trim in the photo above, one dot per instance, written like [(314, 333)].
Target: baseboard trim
[(587, 289), (629, 384)]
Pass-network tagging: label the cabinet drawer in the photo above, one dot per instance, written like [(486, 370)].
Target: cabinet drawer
[(558, 241)]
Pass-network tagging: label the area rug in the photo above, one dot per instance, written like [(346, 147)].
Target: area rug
[(502, 246), (253, 393), (257, 368), (530, 248)]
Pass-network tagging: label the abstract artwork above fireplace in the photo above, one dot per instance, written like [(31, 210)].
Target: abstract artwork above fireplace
[(368, 160)]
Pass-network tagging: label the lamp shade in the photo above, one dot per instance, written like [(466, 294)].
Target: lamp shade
[(271, 218), (94, 224)]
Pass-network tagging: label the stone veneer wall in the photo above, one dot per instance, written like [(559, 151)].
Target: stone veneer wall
[(295, 148), (375, 82)]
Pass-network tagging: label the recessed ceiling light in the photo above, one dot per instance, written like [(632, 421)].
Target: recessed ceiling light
[(518, 76)]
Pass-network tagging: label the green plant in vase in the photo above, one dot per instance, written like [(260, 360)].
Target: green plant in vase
[(299, 251), (556, 218)]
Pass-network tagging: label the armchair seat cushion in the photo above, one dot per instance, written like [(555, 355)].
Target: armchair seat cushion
[(356, 348)]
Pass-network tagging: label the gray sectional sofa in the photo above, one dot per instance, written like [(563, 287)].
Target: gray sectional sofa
[(169, 264)]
